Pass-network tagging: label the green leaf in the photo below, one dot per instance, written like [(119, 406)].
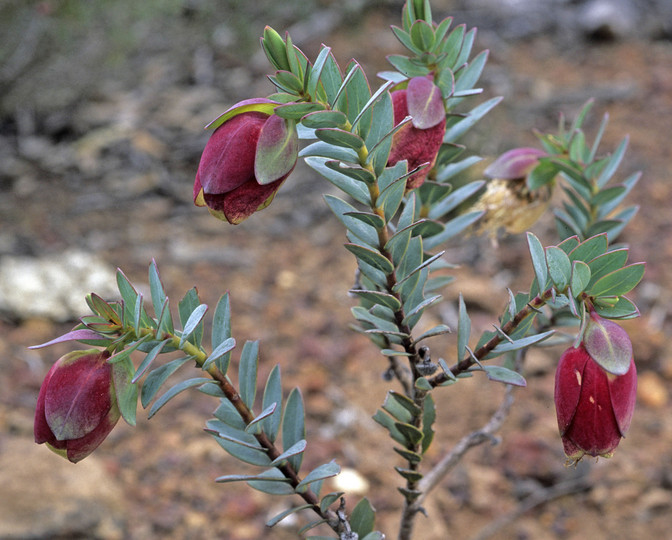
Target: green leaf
[(373, 220), (618, 282), (452, 201), (371, 257), (274, 47), (463, 329), (222, 350), (282, 515), (241, 445), (357, 190), (126, 390), (422, 35), (504, 375), (324, 119), (316, 72), (355, 172), (272, 482), (157, 377), (362, 518), (405, 39), (340, 137), (329, 499), (343, 211), (419, 308), (459, 128), (580, 277), (452, 228), (293, 426), (411, 457), (287, 82), (390, 198), (170, 394), (388, 423), (411, 434), (407, 66), (320, 149), (358, 94), (401, 407), (247, 373), (508, 346), (295, 449), (451, 170), (436, 331), (613, 163), (149, 358), (375, 535), (296, 111), (229, 415), (186, 307), (377, 297), (193, 322), (273, 394), (428, 418), (541, 175), (156, 289), (253, 426), (319, 473), (590, 248), (331, 79), (559, 267), (221, 331), (379, 140), (622, 309)]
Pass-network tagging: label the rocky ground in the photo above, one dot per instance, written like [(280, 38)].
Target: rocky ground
[(100, 135)]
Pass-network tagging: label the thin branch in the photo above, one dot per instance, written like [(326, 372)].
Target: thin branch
[(537, 498), (452, 458)]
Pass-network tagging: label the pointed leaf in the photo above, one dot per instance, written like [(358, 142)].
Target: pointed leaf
[(463, 329), (295, 449), (559, 267), (362, 518), (273, 394), (293, 426), (170, 394), (157, 377), (371, 257), (504, 375), (319, 473), (247, 373), (619, 282)]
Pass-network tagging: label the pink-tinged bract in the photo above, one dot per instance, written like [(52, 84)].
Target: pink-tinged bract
[(594, 408), (515, 164), (76, 407), (226, 181), (417, 146)]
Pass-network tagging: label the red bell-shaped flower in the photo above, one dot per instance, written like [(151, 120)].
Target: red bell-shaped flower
[(419, 141), (77, 406), (594, 407), (245, 161)]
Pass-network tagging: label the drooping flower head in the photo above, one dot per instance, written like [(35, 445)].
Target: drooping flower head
[(595, 390), (245, 161), (77, 406)]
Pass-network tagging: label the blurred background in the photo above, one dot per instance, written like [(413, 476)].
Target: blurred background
[(102, 106)]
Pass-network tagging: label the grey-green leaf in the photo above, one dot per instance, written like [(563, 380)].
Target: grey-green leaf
[(247, 372)]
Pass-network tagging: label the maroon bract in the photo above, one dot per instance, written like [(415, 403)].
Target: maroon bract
[(245, 161), (594, 407), (419, 141), (76, 407)]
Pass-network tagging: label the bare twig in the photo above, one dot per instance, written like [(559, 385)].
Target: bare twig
[(452, 458), (537, 498)]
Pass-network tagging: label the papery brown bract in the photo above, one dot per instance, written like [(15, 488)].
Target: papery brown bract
[(226, 181), (76, 407), (415, 145), (594, 408)]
